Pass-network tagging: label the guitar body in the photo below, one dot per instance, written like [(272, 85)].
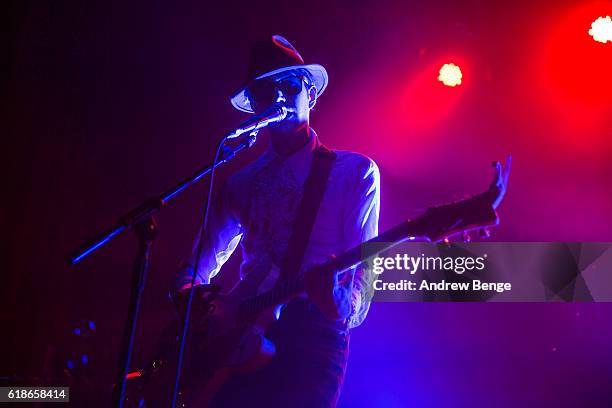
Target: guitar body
[(219, 346), (252, 351)]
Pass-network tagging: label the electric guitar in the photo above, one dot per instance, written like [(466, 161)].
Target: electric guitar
[(227, 330)]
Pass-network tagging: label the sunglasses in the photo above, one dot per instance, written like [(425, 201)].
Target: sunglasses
[(265, 90)]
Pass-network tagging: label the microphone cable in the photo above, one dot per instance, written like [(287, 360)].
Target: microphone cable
[(204, 225)]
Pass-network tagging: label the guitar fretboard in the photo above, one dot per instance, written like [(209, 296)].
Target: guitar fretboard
[(282, 291)]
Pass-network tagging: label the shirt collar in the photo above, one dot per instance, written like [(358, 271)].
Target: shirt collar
[(299, 161), (300, 154)]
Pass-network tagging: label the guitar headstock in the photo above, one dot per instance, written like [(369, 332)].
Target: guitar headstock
[(440, 222)]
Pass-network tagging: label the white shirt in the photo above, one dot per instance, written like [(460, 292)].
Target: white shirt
[(257, 207)]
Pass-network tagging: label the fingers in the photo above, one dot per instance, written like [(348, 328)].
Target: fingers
[(498, 172), (502, 172), (497, 176)]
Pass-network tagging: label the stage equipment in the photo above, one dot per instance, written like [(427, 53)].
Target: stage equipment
[(141, 220)]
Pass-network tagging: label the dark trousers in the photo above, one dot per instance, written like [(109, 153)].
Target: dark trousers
[(307, 370)]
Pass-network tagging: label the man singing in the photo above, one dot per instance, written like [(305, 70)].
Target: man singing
[(261, 207)]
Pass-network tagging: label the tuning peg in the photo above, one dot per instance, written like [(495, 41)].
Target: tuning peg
[(484, 233), (465, 236)]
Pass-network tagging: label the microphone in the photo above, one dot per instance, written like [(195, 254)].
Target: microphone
[(274, 113)]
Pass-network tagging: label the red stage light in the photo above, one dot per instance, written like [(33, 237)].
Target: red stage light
[(576, 67), (573, 72), (601, 29), (450, 75), (422, 103)]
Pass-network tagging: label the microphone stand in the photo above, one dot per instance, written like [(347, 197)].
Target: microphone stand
[(141, 220)]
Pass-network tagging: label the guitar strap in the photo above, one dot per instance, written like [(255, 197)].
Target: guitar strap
[(314, 188)]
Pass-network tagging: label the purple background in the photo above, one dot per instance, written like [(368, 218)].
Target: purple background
[(111, 102)]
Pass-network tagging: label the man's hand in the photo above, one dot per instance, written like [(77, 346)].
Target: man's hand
[(497, 189), (202, 298), (331, 295)]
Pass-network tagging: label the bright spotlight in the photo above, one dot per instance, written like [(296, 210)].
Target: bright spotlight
[(450, 75), (601, 29)]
